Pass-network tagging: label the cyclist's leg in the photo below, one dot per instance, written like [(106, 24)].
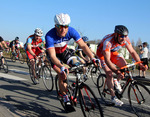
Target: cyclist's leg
[(109, 81), (118, 60), (109, 75), (62, 84), (32, 62), (81, 61), (1, 54), (38, 52)]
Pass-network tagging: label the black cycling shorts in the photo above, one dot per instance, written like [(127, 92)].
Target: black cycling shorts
[(63, 57)]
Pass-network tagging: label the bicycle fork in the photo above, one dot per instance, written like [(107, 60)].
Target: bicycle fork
[(135, 93)]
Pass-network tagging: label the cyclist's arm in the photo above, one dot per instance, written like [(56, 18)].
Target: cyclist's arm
[(29, 47), (93, 52), (54, 59), (85, 48), (3, 42), (1, 46), (133, 53), (109, 63)]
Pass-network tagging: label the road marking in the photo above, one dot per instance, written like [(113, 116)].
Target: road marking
[(11, 77), (19, 71)]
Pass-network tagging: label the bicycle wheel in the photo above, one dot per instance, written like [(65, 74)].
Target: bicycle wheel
[(4, 64), (21, 59), (88, 102), (139, 99), (34, 80), (103, 89), (94, 74), (47, 78)]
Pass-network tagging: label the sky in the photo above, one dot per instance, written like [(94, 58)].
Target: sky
[(92, 18)]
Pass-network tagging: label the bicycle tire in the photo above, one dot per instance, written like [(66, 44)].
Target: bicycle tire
[(103, 90), (89, 103), (141, 109), (47, 78), (94, 74), (21, 59), (4, 65), (34, 80)]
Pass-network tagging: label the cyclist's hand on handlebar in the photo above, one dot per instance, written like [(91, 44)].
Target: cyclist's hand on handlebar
[(96, 62), (120, 75), (143, 67), (64, 72), (35, 57)]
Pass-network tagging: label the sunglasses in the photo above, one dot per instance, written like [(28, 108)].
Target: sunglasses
[(62, 26), (122, 36)]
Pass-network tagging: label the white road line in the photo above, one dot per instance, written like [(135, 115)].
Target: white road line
[(71, 76), (19, 71), (11, 77)]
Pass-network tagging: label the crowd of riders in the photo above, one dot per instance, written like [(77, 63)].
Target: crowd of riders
[(55, 42)]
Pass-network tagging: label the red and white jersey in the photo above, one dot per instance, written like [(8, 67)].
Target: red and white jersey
[(109, 44)]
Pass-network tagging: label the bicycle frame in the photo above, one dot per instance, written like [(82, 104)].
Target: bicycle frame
[(129, 80), (78, 81)]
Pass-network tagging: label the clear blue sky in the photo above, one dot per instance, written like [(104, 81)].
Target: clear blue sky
[(94, 18)]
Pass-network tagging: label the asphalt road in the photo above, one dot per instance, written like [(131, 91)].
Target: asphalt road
[(23, 99)]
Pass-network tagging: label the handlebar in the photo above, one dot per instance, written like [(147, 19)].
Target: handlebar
[(80, 66), (130, 65)]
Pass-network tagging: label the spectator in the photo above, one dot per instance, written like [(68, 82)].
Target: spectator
[(144, 58), (140, 55)]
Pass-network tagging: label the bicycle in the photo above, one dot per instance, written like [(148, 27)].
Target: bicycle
[(20, 57), (94, 73), (138, 94), (43, 71), (79, 90), (3, 62)]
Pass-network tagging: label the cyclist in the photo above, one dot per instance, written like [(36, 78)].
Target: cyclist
[(32, 47), (56, 45), (2, 43), (16, 47), (80, 52), (107, 52)]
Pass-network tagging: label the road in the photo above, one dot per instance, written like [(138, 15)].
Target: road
[(28, 100)]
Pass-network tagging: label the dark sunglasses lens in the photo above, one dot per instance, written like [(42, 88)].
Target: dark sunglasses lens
[(61, 26)]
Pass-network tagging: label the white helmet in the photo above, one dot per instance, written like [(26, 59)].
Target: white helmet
[(38, 32), (62, 19)]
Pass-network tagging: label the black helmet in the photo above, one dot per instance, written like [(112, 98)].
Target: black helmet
[(17, 38), (122, 30)]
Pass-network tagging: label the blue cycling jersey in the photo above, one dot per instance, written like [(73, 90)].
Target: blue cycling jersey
[(60, 43)]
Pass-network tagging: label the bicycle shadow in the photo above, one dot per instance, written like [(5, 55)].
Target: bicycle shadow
[(30, 100)]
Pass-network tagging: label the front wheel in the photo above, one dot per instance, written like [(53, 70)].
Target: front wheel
[(89, 103), (139, 99), (95, 72), (103, 90), (34, 80), (47, 78)]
